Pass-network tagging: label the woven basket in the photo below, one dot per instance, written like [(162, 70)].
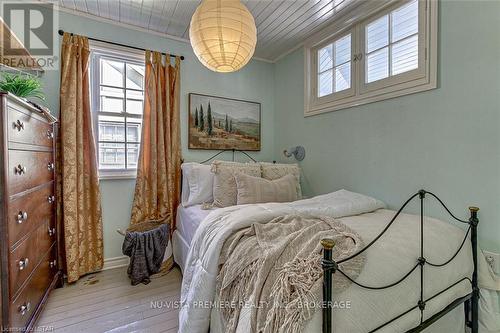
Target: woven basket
[(167, 265), (148, 225)]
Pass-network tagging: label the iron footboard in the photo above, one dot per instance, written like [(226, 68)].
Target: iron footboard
[(470, 301)]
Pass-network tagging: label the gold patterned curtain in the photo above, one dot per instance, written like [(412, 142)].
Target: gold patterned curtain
[(157, 188), (79, 212)]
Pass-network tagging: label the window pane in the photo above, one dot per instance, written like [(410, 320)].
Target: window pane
[(134, 127), (132, 156), (135, 77), (135, 101), (325, 58), (404, 21), (325, 83), (343, 77), (343, 50), (134, 106), (111, 128), (404, 55), (111, 99), (112, 72), (111, 156), (377, 34), (377, 65)]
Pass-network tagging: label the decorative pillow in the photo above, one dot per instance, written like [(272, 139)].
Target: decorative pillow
[(197, 185), (272, 171), (253, 190), (225, 191), (186, 168)]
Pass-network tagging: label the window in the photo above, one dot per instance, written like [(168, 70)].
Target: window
[(392, 43), (334, 67), (117, 104), (387, 52)]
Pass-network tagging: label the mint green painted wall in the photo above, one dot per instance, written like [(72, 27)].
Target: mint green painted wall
[(446, 140), (255, 82)]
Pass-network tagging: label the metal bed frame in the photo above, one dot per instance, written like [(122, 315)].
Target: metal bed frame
[(228, 150), (470, 301), (330, 267)]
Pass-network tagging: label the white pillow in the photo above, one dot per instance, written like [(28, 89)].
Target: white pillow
[(252, 190), (272, 171), (197, 184), (186, 169), (225, 191)]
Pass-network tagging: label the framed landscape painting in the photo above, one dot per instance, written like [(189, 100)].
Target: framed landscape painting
[(223, 123)]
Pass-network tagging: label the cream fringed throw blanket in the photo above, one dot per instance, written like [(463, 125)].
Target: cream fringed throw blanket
[(274, 269)]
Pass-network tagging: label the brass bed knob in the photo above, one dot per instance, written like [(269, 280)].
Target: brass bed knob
[(328, 243)]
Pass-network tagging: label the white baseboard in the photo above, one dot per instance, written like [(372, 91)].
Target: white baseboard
[(110, 263)]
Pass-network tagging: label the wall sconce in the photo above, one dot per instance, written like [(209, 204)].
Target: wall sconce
[(298, 152)]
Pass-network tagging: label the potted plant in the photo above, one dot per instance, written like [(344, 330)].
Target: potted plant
[(23, 86)]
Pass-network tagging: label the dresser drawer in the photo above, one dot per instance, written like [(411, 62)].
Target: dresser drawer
[(28, 211), (23, 307), (24, 128), (46, 237), (25, 257), (28, 169)]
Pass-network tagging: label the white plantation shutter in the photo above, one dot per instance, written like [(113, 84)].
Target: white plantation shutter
[(392, 43), (342, 67), (404, 55), (404, 28)]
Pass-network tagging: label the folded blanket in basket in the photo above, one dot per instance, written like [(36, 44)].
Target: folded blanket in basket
[(146, 250)]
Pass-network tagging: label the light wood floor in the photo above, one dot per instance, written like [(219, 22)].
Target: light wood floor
[(106, 302)]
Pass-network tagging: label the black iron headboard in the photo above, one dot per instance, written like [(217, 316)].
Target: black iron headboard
[(226, 150), (234, 151)]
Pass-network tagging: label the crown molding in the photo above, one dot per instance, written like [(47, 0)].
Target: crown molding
[(284, 54), (116, 23), (263, 60)]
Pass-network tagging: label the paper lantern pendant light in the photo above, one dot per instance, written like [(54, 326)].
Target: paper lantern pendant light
[(223, 35)]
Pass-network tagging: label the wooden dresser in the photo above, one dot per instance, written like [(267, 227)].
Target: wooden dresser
[(28, 249)]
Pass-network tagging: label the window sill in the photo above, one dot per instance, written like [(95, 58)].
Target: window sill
[(117, 176), (311, 110)]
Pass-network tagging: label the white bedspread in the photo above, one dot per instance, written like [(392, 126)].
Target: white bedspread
[(393, 255)]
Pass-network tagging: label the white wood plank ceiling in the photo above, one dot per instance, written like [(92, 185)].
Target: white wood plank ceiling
[(282, 25)]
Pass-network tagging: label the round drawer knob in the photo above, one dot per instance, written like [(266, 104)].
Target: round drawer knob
[(51, 199), (50, 134), (25, 308), (50, 166), (23, 263), (52, 231), (21, 217), (53, 263)]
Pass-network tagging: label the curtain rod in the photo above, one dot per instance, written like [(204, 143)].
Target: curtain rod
[(61, 32)]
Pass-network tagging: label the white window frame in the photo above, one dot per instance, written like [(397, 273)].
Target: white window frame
[(119, 53), (335, 96), (421, 79)]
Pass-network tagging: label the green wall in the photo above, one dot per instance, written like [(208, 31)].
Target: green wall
[(255, 82), (446, 140)]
